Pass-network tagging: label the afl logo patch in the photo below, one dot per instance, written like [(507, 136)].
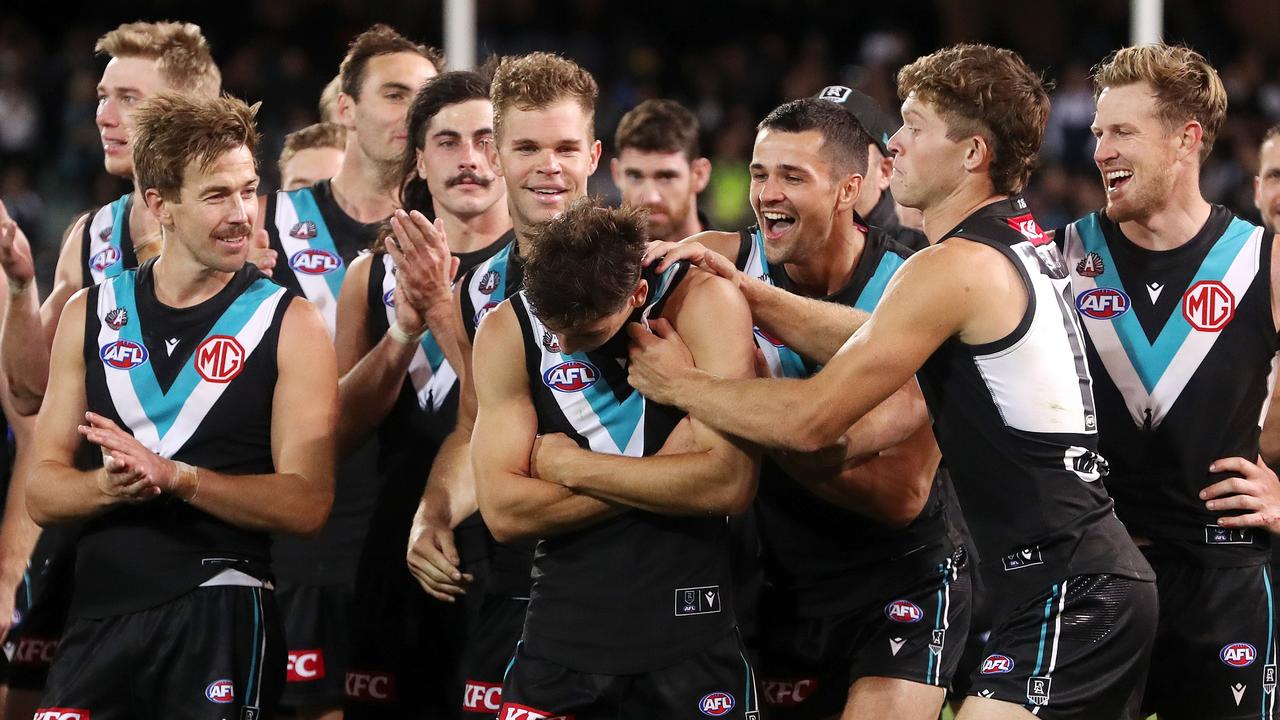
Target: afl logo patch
[(484, 311), (117, 318), (489, 282), (314, 261), (219, 358), (220, 691), (903, 611), (105, 259), (1238, 655), (571, 376), (389, 298), (716, 704), (1208, 306), (997, 665), (304, 230), (123, 354), (1102, 303)]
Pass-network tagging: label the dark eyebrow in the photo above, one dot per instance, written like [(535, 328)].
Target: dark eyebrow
[(794, 169), (448, 134), (396, 86)]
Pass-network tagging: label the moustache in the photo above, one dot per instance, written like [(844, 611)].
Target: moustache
[(233, 231), (468, 176)]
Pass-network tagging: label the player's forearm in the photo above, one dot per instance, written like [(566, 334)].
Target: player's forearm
[(450, 494), (24, 354), (525, 508), (891, 488), (59, 493), (276, 502), (446, 327), (367, 392), (890, 423), (774, 413), (18, 532), (813, 328), (692, 483)]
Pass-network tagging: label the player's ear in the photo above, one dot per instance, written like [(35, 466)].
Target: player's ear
[(848, 192), (639, 295), (596, 149), (420, 163), (700, 169), (158, 207), (346, 111), (978, 154)]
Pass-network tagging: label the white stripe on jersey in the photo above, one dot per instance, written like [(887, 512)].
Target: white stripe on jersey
[(431, 388), (314, 287), (1035, 383), (1240, 274), (202, 398)]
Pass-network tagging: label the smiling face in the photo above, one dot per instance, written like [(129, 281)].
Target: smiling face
[(454, 159), (378, 115), (1136, 152), (126, 81), (545, 157), (212, 216), (927, 165), (793, 193)]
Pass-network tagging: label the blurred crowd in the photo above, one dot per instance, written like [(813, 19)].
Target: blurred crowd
[(728, 61)]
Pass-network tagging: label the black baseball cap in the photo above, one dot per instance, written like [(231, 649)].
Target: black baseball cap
[(878, 124)]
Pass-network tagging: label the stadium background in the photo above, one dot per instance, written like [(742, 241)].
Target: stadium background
[(729, 61)]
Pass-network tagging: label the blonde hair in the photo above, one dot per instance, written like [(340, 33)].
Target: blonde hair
[(537, 81), (1186, 86), (179, 49), (173, 130)]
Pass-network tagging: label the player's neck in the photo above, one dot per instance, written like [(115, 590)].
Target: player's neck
[(964, 200), (364, 188), (825, 272), (181, 281), (475, 232), (144, 229), (1173, 224)]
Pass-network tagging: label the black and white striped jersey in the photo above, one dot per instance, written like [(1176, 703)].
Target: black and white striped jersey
[(1016, 423), (638, 591)]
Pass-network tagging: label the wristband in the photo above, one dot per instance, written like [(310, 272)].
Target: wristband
[(188, 476), (401, 337)]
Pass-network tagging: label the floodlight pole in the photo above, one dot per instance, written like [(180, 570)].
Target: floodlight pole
[(460, 33), (1146, 21)]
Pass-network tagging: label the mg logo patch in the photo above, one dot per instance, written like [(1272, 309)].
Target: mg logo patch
[(219, 358), (1208, 306)]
